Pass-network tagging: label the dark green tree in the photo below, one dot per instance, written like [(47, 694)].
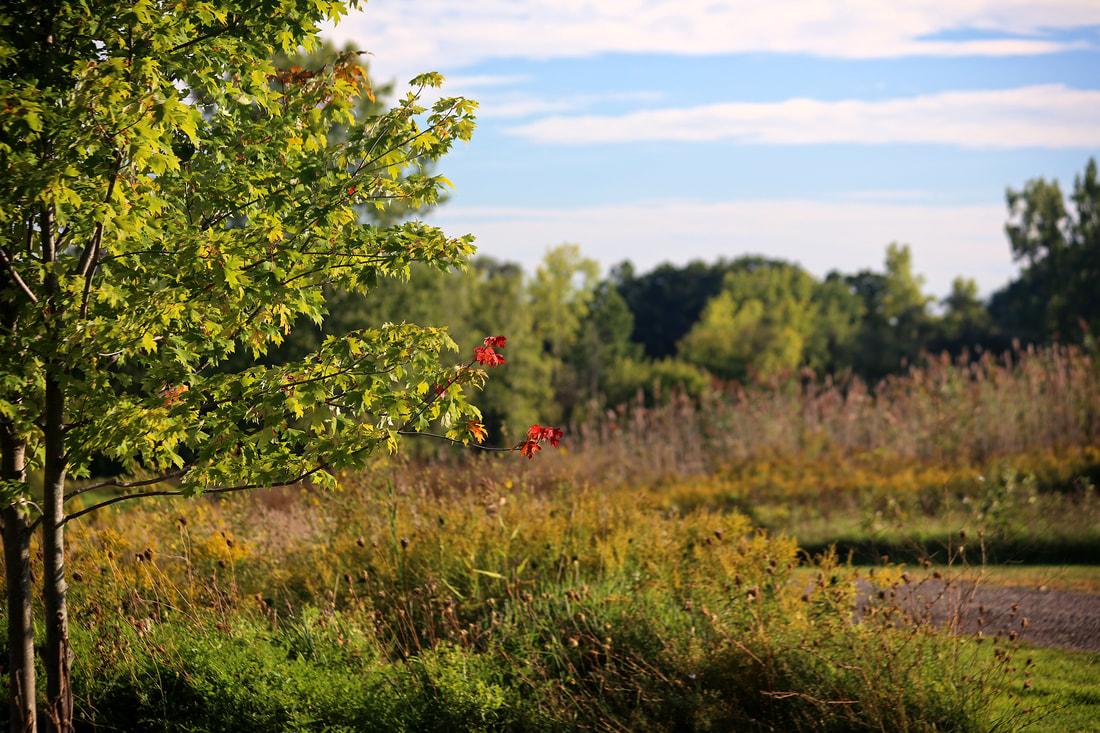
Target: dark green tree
[(965, 323), (1058, 242), (896, 324), (602, 343), (667, 301)]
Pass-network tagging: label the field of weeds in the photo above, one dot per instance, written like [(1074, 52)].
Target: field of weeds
[(684, 566)]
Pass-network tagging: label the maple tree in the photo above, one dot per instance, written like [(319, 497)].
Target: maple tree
[(173, 199)]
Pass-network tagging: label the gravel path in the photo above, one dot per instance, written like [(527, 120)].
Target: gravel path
[(1041, 617)]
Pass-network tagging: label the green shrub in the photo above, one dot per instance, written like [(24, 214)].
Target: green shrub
[(182, 678)]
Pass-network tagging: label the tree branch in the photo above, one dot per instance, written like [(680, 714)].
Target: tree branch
[(15, 276), (114, 483), (233, 24), (89, 260), (413, 433), (220, 490), (431, 401)]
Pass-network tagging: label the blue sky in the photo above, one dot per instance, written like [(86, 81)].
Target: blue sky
[(812, 130)]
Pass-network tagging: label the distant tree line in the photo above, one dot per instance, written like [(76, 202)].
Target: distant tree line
[(755, 318), (577, 341)]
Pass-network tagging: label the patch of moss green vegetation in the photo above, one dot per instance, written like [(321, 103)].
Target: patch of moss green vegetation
[(1062, 687)]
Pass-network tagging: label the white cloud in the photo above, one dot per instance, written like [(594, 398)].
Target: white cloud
[(481, 81), (407, 37), (847, 235), (514, 106), (497, 99), (1049, 116)]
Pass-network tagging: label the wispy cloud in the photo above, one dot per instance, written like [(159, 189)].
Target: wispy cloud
[(450, 34), (504, 97), (1049, 116), (482, 81), (514, 106), (846, 235)]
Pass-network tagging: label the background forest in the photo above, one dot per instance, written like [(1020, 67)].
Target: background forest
[(580, 340)]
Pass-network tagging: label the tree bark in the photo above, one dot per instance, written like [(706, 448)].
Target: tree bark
[(58, 713), (17, 569), (58, 655)]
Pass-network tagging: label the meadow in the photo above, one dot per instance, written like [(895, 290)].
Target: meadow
[(677, 565)]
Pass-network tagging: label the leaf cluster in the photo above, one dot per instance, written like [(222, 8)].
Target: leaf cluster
[(175, 198)]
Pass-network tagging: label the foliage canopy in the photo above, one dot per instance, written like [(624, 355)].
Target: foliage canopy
[(176, 198)]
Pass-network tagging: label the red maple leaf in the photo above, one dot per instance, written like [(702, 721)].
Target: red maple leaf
[(485, 355), (553, 435), (530, 448), (540, 433), (497, 341)]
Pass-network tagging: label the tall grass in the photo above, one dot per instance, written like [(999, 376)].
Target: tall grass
[(953, 413), (385, 607), (622, 582)]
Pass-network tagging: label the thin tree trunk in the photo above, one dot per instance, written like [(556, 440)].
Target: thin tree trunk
[(17, 568), (57, 658), (58, 715)]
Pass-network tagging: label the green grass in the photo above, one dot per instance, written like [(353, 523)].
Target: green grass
[(1065, 691), (1073, 578), (1076, 578)]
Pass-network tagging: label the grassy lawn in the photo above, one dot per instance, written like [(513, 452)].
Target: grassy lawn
[(1065, 689), (1065, 685), (1076, 578)]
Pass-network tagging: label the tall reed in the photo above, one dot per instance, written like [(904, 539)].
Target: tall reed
[(961, 412)]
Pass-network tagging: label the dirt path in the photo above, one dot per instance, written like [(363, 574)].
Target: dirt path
[(1042, 617)]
